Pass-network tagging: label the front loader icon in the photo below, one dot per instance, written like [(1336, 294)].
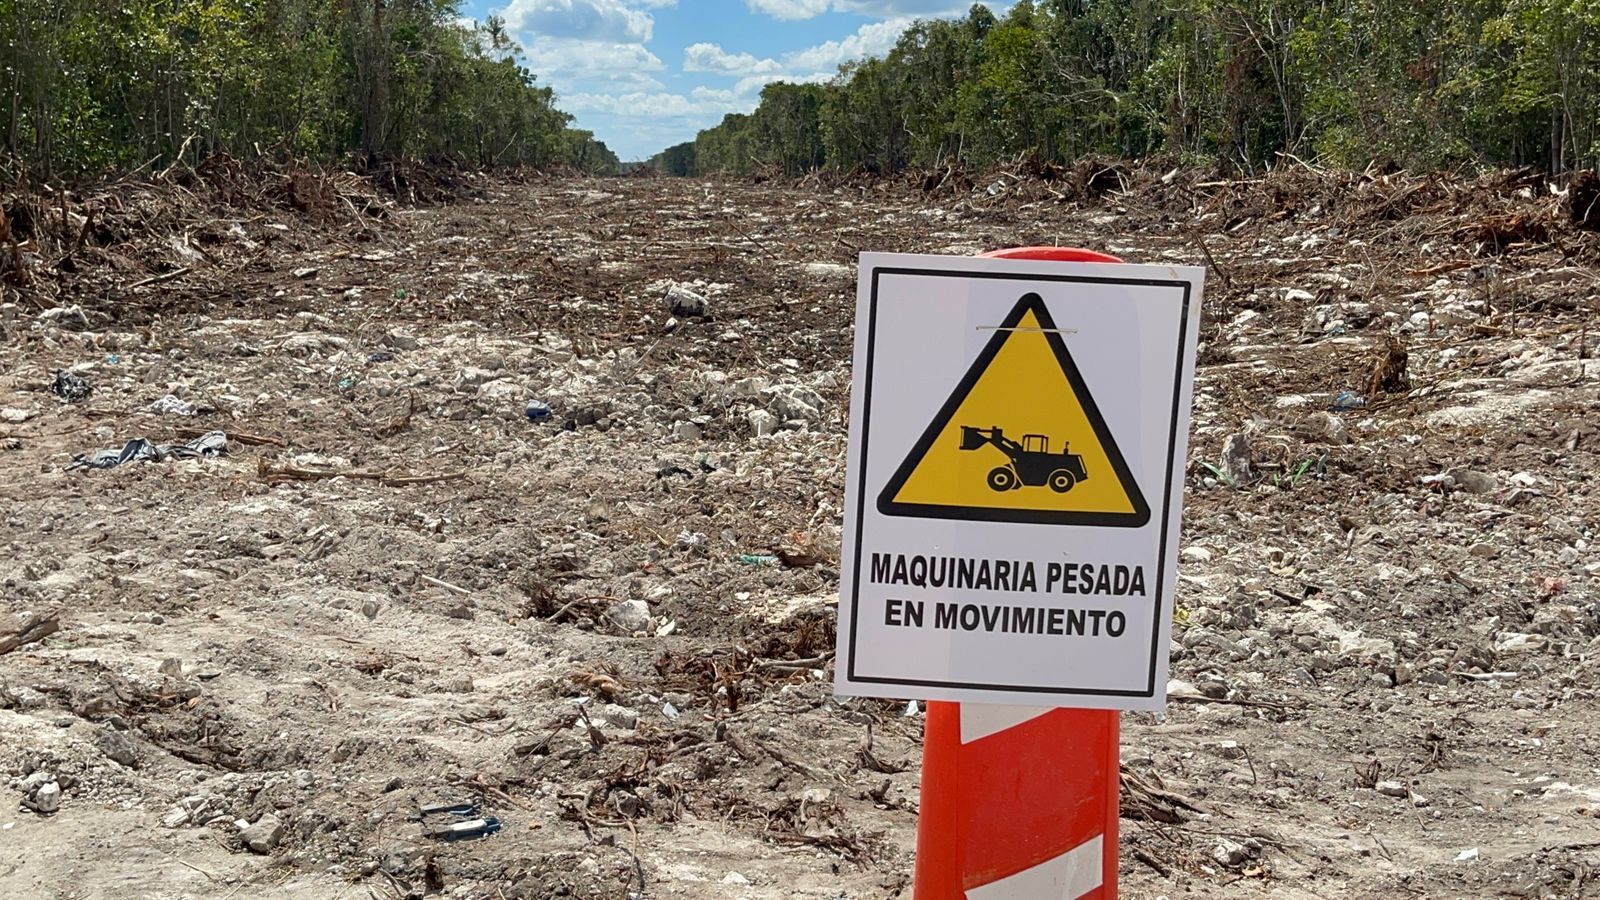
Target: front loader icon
[(1031, 462)]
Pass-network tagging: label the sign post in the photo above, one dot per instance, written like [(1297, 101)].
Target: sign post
[(1019, 428)]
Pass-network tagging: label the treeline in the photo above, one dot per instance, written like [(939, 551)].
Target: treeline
[(1415, 83), (91, 88)]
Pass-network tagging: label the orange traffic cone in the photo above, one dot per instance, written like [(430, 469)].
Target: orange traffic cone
[(1019, 803)]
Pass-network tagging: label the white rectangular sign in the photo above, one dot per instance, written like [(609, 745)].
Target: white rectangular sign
[(1018, 436)]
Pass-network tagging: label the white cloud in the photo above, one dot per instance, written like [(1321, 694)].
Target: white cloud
[(813, 64), (590, 59), (885, 9), (750, 87), (701, 102), (872, 39), (878, 9), (789, 9), (723, 96), (714, 59), (594, 53), (594, 20)]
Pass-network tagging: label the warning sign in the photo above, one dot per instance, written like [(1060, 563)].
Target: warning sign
[(1053, 460), (1018, 434)]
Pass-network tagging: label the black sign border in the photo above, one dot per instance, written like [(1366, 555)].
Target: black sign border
[(862, 496)]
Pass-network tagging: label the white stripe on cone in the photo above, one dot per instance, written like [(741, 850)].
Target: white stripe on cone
[(1067, 877), (979, 720)]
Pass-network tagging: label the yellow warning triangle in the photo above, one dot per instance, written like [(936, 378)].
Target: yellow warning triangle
[(1019, 440)]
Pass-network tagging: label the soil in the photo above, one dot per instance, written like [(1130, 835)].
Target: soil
[(396, 589)]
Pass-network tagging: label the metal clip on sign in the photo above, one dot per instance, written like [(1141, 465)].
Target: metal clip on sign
[(1019, 803)]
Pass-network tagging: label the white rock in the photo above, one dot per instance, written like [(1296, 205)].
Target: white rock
[(313, 343), (687, 431), (1230, 750), (631, 616), (826, 270), (1473, 482), (1236, 459), (749, 388), (1516, 642), (47, 799), (762, 423), (1467, 855), (472, 378), (171, 405), (1195, 554), (684, 302), (1230, 853), (816, 795), (1356, 644), (793, 401), (1391, 789), (1179, 688), (1323, 428), (618, 716), (264, 835), (502, 392), (734, 878)]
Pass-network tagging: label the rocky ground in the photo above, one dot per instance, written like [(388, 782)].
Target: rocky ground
[(610, 628)]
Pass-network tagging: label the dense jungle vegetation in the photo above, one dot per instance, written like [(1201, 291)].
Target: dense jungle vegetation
[(1413, 83), (92, 88)]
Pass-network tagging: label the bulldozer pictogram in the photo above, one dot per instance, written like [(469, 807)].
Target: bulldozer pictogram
[(1032, 464)]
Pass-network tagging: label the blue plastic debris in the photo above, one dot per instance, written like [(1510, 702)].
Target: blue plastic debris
[(538, 410), (1349, 400)]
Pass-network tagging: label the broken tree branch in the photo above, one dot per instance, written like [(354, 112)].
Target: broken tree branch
[(20, 631)]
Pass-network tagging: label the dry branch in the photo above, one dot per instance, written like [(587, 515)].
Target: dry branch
[(279, 474), (19, 631)]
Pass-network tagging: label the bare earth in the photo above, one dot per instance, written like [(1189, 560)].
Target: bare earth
[(1386, 685)]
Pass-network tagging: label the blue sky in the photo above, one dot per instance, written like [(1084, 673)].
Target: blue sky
[(646, 74)]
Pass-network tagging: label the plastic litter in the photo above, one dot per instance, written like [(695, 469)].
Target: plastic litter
[(758, 559), (468, 823), (214, 443), (462, 809), (1349, 400), (70, 387), (464, 831), (538, 410), (171, 404)]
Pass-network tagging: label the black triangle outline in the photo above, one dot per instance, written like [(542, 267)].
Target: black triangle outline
[(1030, 302)]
